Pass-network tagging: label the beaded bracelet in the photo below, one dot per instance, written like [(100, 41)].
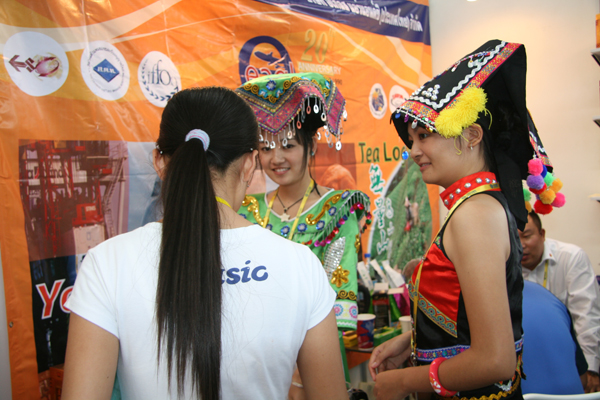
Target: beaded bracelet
[(435, 380)]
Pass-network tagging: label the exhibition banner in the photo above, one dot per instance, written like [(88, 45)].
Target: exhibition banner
[(82, 88)]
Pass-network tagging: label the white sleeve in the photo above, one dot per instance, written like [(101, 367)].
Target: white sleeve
[(323, 296), (92, 297), (584, 305)]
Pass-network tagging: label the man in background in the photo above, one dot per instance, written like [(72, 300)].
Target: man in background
[(565, 270)]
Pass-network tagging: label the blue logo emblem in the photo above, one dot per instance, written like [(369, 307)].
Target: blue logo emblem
[(263, 55), (106, 70)]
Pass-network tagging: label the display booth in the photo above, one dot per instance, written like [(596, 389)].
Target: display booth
[(82, 89)]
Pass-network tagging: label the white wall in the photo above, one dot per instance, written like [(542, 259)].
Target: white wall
[(562, 90)]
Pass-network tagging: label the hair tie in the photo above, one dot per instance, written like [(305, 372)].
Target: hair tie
[(199, 134)]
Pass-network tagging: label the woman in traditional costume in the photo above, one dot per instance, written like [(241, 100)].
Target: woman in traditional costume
[(294, 111), (469, 131)]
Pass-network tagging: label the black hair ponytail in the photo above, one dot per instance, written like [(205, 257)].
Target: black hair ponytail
[(189, 296)]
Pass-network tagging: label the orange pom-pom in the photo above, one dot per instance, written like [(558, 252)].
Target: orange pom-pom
[(528, 206), (542, 208), (548, 196), (556, 185)]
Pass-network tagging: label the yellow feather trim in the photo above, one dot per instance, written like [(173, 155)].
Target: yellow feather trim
[(453, 120)]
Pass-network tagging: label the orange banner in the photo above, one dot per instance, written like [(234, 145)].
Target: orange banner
[(82, 88)]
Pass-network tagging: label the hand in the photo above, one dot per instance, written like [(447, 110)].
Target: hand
[(389, 386), (593, 382), (390, 355)]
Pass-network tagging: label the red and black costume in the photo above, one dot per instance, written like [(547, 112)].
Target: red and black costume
[(443, 329)]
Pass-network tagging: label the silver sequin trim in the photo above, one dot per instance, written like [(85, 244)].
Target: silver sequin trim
[(333, 256)]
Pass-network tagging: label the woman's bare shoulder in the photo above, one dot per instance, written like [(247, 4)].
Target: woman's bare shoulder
[(479, 223)]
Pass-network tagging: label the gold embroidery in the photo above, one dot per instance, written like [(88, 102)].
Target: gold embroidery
[(333, 200), (324, 90), (252, 204), (357, 243), (249, 87), (495, 396), (339, 276), (346, 295)]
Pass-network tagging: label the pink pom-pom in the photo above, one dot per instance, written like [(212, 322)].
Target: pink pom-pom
[(535, 182), (535, 166), (542, 208), (559, 200)]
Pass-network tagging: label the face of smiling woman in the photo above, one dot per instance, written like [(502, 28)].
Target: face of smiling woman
[(437, 157), (285, 165)]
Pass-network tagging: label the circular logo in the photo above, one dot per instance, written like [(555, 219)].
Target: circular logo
[(104, 70), (263, 55), (158, 78), (397, 97), (36, 63), (377, 101)]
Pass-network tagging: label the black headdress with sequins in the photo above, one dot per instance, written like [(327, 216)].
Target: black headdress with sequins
[(477, 89)]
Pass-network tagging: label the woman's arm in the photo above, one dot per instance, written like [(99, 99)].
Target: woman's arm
[(320, 362), (478, 243), (351, 232), (90, 362)]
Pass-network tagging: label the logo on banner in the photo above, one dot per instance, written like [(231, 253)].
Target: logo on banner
[(104, 70), (36, 63), (158, 78), (263, 55), (377, 101), (397, 97)]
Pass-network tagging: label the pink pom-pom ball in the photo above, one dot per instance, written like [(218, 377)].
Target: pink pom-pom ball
[(559, 200), (535, 166)]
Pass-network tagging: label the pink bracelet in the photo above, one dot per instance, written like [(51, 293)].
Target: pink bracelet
[(435, 380)]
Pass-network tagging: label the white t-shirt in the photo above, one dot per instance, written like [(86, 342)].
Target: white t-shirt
[(274, 290)]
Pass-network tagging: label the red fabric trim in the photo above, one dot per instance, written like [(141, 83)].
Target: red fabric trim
[(463, 186), (439, 286)]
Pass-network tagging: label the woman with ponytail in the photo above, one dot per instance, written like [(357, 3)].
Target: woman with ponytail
[(192, 306)]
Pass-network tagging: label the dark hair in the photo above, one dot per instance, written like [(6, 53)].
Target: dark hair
[(536, 220), (311, 124), (188, 295)]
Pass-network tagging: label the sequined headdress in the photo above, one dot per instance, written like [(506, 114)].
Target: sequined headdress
[(286, 102), (472, 91)]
